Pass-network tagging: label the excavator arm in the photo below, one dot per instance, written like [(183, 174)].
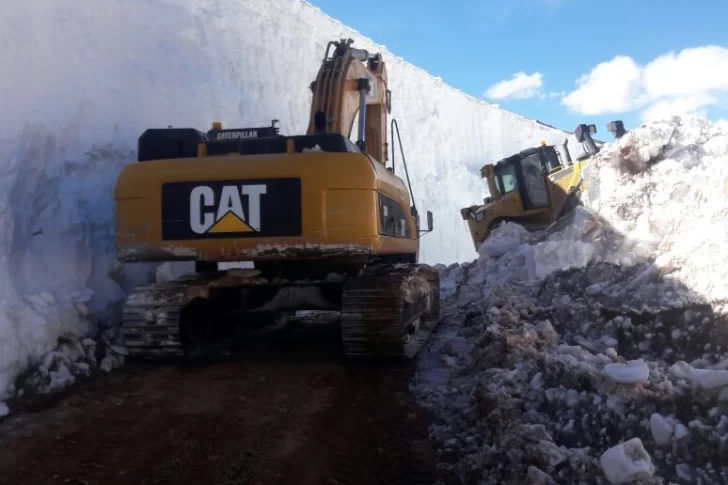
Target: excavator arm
[(351, 81)]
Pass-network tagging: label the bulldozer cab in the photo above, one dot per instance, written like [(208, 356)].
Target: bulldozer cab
[(532, 188), (524, 174)]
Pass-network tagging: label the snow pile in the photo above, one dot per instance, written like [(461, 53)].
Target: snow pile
[(596, 351), (81, 83)]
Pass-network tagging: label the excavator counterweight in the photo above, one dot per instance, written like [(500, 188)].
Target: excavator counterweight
[(324, 222)]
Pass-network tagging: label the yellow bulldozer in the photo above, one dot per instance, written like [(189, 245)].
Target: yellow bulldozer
[(534, 187), (326, 223)]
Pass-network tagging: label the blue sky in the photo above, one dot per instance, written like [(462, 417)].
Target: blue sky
[(474, 44)]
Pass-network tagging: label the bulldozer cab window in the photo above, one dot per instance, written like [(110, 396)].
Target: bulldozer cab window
[(550, 159), (505, 177), (535, 194)]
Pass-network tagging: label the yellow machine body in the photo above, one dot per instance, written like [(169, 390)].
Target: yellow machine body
[(326, 224), (339, 207), (531, 188)]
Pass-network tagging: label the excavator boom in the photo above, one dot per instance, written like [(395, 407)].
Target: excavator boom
[(351, 79)]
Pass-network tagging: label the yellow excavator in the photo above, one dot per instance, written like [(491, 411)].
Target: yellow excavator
[(325, 222), (532, 188)]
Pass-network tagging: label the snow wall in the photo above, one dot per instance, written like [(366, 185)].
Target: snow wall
[(83, 80)]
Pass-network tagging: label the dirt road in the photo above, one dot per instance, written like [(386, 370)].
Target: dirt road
[(287, 410)]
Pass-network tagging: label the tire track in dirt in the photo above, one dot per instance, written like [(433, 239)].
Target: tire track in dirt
[(288, 409), (369, 434)]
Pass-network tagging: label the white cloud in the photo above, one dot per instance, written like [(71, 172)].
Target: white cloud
[(666, 108), (610, 87), (519, 86), (673, 83), (691, 72)]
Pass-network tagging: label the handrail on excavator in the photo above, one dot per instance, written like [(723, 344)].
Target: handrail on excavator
[(395, 125)]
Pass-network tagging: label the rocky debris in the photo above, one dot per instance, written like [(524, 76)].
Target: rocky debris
[(552, 384), (595, 351), (72, 359)]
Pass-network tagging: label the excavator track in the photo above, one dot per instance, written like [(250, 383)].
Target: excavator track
[(386, 311), (390, 310), (152, 314), (150, 325)]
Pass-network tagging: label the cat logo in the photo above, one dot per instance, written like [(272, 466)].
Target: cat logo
[(226, 215)]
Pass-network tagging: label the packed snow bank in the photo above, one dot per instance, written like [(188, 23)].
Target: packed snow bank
[(81, 83), (596, 351)]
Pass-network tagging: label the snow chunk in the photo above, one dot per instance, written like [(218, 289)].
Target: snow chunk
[(539, 477), (684, 472), (709, 378), (632, 372), (681, 431), (508, 237), (627, 462), (704, 378), (661, 429)]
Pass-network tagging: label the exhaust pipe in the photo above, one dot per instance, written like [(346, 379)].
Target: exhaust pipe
[(616, 128), (564, 145)]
